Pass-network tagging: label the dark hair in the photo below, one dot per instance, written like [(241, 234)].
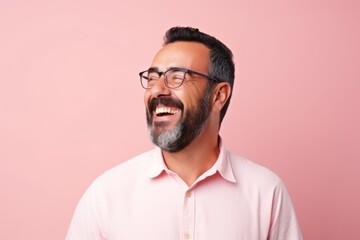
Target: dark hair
[(221, 65)]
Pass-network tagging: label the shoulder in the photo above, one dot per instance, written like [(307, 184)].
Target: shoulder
[(125, 172), (251, 173)]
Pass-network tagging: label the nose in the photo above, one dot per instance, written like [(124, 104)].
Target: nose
[(159, 88)]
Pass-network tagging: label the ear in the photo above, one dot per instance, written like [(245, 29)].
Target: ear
[(221, 94)]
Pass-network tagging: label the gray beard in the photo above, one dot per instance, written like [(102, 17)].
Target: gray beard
[(186, 130), (166, 140)]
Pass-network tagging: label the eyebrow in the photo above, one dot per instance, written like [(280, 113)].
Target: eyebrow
[(156, 69), (153, 69)]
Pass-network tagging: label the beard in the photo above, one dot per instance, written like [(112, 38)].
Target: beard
[(189, 126)]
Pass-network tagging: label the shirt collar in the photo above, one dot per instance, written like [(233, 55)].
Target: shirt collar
[(222, 164), (156, 163)]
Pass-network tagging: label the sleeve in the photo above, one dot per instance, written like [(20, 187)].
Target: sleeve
[(284, 224), (88, 220)]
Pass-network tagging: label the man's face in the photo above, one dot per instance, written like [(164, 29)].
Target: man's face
[(176, 116)]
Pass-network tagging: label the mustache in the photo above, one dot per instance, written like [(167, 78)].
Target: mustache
[(165, 101)]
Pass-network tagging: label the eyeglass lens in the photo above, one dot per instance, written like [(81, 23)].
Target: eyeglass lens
[(173, 78)]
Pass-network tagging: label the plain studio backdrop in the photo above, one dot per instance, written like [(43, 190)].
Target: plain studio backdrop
[(71, 104)]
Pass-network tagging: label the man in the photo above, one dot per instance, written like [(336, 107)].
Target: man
[(190, 186)]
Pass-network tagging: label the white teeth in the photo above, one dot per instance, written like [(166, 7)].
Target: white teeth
[(165, 110)]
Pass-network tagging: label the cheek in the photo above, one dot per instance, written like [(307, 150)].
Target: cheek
[(190, 102), (190, 98), (181, 96)]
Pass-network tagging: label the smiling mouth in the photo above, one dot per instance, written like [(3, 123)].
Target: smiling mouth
[(165, 111)]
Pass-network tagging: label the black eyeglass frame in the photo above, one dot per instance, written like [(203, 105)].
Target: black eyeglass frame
[(184, 70)]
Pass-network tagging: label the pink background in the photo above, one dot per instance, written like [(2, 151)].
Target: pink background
[(71, 105)]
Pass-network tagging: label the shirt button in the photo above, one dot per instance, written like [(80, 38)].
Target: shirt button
[(186, 235), (188, 194)]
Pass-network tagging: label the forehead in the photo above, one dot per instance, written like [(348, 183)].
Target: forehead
[(191, 55)]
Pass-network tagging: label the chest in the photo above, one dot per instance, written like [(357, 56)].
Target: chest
[(208, 211)]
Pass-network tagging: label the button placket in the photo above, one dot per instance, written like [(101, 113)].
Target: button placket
[(188, 215)]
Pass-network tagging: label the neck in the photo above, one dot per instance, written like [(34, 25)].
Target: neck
[(195, 159)]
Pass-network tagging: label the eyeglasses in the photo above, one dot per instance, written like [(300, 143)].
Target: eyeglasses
[(173, 77)]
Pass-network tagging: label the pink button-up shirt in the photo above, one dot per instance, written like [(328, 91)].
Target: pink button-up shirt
[(141, 199)]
